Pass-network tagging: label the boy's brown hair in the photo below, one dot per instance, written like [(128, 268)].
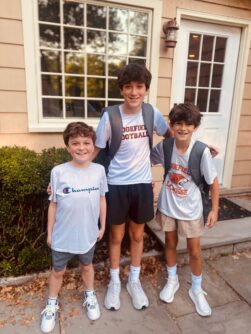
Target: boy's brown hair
[(185, 112), (75, 129), (134, 72)]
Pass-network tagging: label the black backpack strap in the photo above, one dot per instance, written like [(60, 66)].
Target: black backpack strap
[(116, 129), (148, 117), (195, 161), (168, 150)]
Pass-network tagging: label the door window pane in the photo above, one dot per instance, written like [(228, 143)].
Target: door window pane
[(214, 101), (194, 46), (207, 47), (202, 99), (220, 49), (192, 70), (204, 75), (190, 95), (217, 75)]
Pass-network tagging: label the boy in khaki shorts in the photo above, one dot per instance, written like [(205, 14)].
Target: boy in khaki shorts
[(180, 204)]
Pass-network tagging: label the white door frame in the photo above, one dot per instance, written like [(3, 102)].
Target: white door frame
[(239, 81)]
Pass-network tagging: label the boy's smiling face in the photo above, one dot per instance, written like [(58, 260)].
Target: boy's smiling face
[(81, 149), (182, 131), (133, 94)]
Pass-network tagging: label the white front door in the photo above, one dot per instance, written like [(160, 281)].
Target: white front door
[(207, 57)]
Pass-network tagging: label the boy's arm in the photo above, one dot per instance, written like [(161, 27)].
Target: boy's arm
[(102, 217), (213, 214), (51, 221)]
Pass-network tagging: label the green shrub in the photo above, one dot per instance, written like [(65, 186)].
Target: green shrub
[(24, 176)]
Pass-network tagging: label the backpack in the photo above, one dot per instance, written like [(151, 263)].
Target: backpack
[(194, 169), (106, 155)]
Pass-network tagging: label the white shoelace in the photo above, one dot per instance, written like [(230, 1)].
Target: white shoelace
[(90, 301), (114, 288), (50, 310)]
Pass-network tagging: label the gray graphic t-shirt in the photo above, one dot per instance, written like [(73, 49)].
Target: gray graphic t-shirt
[(77, 193)]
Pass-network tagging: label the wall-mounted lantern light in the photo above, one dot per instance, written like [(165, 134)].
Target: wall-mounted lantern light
[(170, 30)]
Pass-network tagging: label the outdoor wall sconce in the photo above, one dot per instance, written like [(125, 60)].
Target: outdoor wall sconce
[(170, 29)]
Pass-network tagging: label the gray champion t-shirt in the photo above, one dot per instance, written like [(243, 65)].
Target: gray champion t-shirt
[(77, 193)]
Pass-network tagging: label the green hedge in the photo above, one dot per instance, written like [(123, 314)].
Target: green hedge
[(24, 176)]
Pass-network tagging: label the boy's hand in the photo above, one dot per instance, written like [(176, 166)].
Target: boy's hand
[(213, 150), (49, 240), (212, 219), (101, 233), (49, 189)]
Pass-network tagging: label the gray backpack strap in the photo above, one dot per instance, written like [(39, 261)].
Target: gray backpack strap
[(148, 117), (195, 161), (168, 150), (116, 129)]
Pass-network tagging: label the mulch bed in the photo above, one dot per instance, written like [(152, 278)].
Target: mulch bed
[(229, 210)]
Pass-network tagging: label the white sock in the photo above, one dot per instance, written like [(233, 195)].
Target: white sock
[(134, 274), (114, 274), (52, 300), (196, 282), (171, 271), (89, 293)]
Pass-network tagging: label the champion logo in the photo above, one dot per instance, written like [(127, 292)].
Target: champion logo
[(67, 190)]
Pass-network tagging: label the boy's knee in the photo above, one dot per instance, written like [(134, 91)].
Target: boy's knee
[(137, 236), (58, 274), (195, 254)]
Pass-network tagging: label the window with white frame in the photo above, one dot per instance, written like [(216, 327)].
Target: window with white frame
[(82, 45)]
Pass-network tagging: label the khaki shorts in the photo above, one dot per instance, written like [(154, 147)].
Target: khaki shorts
[(186, 228)]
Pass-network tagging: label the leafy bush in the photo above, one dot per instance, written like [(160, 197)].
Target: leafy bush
[(24, 176)]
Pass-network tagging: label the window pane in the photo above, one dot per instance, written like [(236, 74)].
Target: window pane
[(74, 63), (220, 49), (73, 13), (95, 87), (217, 75), (214, 100), (48, 10), (50, 61), (138, 23), (49, 36), (118, 19), (202, 99), (94, 108), (194, 46), (96, 41), (52, 85), (96, 16), (190, 95), (74, 86), (137, 60), (95, 65), (192, 69), (115, 64), (137, 46), (75, 108), (207, 47), (204, 75), (52, 107), (117, 43), (73, 38), (113, 89)]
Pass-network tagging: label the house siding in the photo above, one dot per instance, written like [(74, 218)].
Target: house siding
[(13, 106)]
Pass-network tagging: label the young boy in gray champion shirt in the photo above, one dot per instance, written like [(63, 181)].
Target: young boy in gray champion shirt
[(77, 201)]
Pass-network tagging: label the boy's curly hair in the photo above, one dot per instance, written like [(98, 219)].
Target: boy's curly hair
[(75, 129), (134, 72), (185, 112)]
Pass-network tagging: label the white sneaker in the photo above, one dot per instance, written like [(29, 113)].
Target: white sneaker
[(48, 320), (92, 306), (139, 298), (112, 300), (168, 292), (200, 302)]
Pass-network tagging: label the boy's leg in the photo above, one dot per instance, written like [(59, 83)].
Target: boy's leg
[(139, 298), (196, 293), (172, 285), (87, 274)]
